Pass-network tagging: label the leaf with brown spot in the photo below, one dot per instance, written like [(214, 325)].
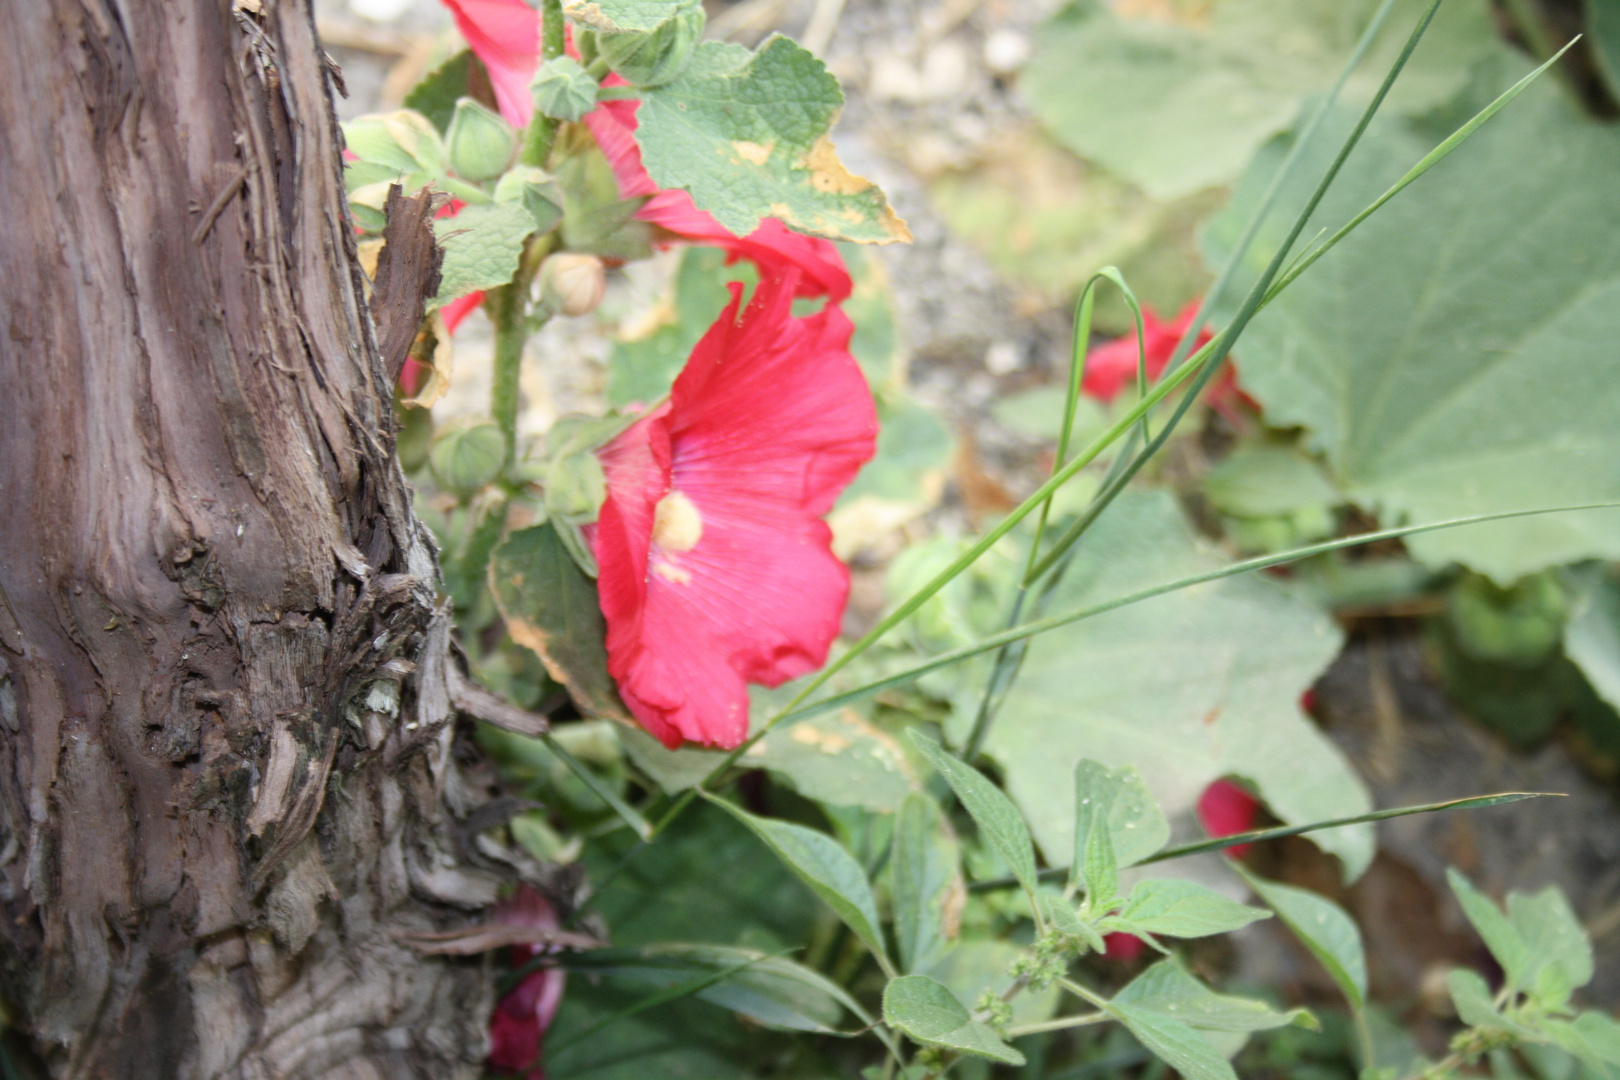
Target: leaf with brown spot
[(551, 607)]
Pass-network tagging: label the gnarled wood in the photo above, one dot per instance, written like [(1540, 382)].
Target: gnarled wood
[(227, 792)]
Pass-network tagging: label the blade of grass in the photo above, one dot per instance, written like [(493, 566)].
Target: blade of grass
[(1041, 626), (1475, 802), (1429, 161)]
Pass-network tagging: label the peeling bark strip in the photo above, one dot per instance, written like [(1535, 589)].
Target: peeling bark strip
[(227, 795)]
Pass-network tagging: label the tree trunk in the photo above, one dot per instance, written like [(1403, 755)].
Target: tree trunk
[(228, 791)]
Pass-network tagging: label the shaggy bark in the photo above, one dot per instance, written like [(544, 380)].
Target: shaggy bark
[(228, 792)]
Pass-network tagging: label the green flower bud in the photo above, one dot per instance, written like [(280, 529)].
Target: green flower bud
[(575, 488), (654, 57), (481, 143), (469, 456), (536, 190), (562, 89), (571, 283)]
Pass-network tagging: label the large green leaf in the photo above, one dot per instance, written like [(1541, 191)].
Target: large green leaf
[(482, 245), (929, 1013), (1188, 687), (1455, 355), (1168, 990), (821, 863), (1178, 106), (747, 134), (925, 882)]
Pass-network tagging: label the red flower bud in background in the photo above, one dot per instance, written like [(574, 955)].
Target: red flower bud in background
[(518, 1025), (1112, 367)]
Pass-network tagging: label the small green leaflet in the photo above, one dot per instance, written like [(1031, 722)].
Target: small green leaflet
[(482, 245), (1000, 824), (1182, 909), (1182, 1048), (821, 863), (1323, 928), (747, 134), (1168, 990), (926, 882), (1132, 827), (1474, 1007), (928, 1012)]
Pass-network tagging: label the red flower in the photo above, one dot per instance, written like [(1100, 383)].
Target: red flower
[(505, 35), (519, 1022), (1227, 809), (716, 568), (1112, 367)]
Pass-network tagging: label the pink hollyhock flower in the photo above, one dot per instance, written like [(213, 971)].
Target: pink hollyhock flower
[(1112, 367), (518, 1025), (716, 568), (505, 35), (1227, 809)]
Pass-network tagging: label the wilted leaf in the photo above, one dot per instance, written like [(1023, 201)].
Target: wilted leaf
[(1189, 687), (930, 1014), (747, 134), (551, 607)]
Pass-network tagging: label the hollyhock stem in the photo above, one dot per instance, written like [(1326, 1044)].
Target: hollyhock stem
[(541, 133), (505, 306)]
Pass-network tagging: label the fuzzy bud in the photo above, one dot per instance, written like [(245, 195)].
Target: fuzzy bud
[(481, 143), (571, 283), (563, 90), (654, 57)]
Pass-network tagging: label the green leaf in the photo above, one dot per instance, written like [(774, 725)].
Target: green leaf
[(1443, 369), (747, 134), (1098, 869), (770, 990), (1000, 824), (482, 245), (821, 863), (1588, 1037), (1136, 825), (1189, 687), (1324, 929), (625, 15), (1182, 1048), (976, 966), (1603, 24), (669, 892), (1554, 939), (1501, 937), (930, 1014), (551, 607), (926, 882), (1602, 1035), (436, 95), (1178, 106), (1185, 909), (1475, 1008), (1267, 481), (841, 759), (1592, 636), (1061, 916), (1166, 989)]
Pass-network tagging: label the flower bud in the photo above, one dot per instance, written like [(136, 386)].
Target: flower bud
[(467, 457), (654, 57), (481, 143), (575, 488), (562, 89), (404, 141), (536, 190), (571, 283)]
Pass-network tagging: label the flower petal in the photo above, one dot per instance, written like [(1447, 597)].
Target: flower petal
[(505, 35)]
